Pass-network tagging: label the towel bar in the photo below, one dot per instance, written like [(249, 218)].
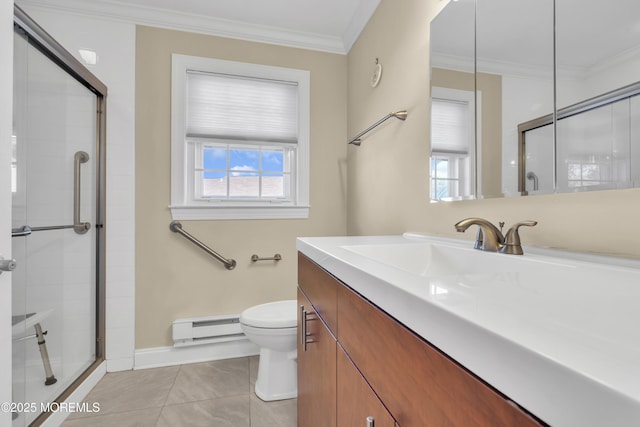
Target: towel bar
[(400, 115)]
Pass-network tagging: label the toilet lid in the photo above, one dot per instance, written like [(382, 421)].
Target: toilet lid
[(279, 314)]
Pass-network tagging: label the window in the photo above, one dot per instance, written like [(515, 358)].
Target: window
[(448, 175), (228, 171), (240, 140), (452, 144), (589, 173)]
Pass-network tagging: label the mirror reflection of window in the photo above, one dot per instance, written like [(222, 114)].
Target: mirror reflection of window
[(452, 144), (595, 149)]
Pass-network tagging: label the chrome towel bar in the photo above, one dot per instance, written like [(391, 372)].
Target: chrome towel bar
[(400, 115), (176, 227)]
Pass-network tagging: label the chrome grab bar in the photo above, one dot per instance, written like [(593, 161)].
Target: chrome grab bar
[(26, 230), (176, 227), (400, 115), (533, 177), (276, 257), (78, 226), (7, 264)]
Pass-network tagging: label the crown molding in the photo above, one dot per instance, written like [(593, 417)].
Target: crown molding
[(623, 58), (466, 64), (363, 13), (155, 17), (460, 63)]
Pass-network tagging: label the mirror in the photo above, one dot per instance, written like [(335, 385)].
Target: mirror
[(541, 124), (453, 138)]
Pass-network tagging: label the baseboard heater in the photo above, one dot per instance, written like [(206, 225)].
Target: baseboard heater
[(206, 330)]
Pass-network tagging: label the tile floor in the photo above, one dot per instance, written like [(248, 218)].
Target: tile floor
[(211, 394)]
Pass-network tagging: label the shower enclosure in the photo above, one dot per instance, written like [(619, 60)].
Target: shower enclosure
[(58, 226)]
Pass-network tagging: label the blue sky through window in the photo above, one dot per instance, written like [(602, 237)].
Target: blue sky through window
[(272, 161), (215, 158), (241, 162)]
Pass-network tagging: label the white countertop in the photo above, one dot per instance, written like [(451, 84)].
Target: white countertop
[(557, 332)]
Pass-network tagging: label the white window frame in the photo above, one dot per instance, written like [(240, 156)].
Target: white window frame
[(183, 205)]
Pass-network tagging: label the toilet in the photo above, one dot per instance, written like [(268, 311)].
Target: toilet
[(272, 326)]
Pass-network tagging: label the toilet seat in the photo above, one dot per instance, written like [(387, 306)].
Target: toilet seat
[(273, 315)]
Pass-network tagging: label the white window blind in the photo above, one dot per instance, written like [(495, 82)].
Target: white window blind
[(239, 140), (449, 130), (452, 143), (241, 108)]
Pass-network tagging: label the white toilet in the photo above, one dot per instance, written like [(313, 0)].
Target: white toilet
[(272, 327)]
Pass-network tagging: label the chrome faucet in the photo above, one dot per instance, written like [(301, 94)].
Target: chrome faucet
[(490, 238)]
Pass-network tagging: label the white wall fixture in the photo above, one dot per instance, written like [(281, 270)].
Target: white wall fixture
[(206, 330), (89, 56)]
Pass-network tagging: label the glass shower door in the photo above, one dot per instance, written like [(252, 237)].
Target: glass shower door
[(54, 211)]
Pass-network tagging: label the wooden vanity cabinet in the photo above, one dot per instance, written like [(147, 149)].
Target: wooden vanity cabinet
[(417, 383), (318, 322), (357, 402), (321, 289), (316, 368), (331, 390), (382, 369)]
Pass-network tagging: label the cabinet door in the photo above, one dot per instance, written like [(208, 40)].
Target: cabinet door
[(418, 384), (358, 405), (316, 369)]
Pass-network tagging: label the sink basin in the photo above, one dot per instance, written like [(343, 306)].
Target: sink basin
[(429, 259)]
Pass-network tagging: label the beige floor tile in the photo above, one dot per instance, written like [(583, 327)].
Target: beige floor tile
[(280, 413), (222, 412), (210, 394), (253, 369), (140, 418), (130, 390), (209, 380)]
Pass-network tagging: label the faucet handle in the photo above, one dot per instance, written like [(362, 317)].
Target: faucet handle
[(512, 238)]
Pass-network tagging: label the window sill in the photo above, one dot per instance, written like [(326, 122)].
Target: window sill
[(238, 212)]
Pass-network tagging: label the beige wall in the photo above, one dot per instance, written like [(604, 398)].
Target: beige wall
[(174, 278), (490, 87), (388, 174)]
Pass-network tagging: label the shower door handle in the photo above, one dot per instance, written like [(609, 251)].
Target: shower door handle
[(78, 226), (7, 264)]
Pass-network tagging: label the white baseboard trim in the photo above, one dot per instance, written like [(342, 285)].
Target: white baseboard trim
[(117, 365), (170, 356), (57, 417)]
